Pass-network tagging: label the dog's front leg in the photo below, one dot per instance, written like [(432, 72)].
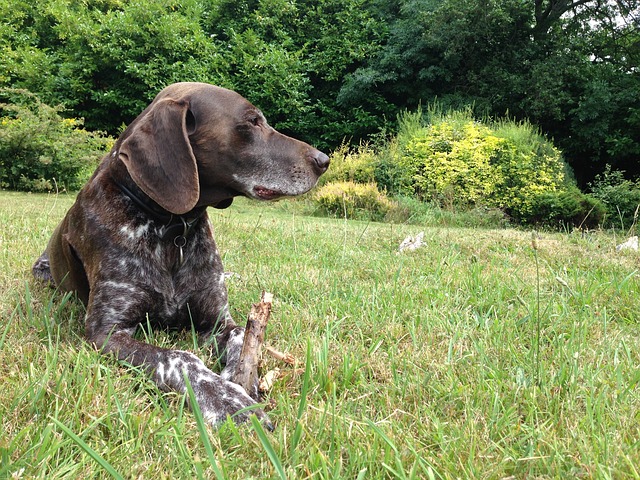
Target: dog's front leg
[(216, 396), (230, 344)]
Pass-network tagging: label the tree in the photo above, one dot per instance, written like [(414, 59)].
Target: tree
[(327, 39), (106, 59), (569, 66), (549, 12), (335, 70)]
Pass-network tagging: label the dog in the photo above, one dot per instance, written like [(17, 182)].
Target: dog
[(137, 244)]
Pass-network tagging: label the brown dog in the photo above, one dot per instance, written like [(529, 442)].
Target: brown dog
[(138, 244)]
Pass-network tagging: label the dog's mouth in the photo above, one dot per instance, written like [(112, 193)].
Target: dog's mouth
[(265, 193)]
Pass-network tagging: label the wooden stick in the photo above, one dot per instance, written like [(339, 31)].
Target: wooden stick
[(283, 357), (247, 370)]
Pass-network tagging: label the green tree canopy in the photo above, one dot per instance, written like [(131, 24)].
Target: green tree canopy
[(569, 66), (330, 70)]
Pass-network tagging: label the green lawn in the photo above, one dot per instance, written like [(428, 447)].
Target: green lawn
[(431, 364)]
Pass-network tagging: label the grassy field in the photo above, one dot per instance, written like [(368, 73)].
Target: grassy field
[(476, 356)]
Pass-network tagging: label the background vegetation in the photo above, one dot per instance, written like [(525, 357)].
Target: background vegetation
[(342, 70), (532, 106), (40, 150), (451, 161)]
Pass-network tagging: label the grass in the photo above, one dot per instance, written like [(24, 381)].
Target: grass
[(419, 365)]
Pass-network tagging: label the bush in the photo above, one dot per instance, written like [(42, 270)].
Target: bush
[(356, 166), (452, 164), (39, 149), (459, 162), (450, 161), (390, 176), (530, 166), (620, 196), (569, 207), (353, 200)]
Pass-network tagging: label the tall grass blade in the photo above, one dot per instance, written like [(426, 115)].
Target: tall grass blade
[(266, 444), (537, 326), (378, 431), (202, 430), (90, 451), (6, 328), (297, 434), (399, 473)]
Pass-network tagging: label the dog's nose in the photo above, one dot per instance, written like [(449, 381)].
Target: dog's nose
[(322, 161)]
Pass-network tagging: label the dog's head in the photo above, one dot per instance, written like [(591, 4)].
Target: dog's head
[(197, 144)]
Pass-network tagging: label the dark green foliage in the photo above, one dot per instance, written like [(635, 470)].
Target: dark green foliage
[(621, 198), (106, 59), (39, 149), (390, 175), (566, 208), (335, 71), (271, 76), (573, 71)]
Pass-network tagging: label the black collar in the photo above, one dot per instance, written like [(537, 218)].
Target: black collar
[(174, 227)]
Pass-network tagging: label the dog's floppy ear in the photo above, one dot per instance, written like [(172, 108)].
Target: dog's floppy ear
[(159, 157)]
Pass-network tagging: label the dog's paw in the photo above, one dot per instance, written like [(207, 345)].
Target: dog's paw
[(216, 396), (42, 269), (219, 398)]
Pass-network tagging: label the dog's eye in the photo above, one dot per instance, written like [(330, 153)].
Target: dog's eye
[(255, 120)]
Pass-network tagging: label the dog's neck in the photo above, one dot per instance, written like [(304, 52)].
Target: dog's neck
[(172, 225)]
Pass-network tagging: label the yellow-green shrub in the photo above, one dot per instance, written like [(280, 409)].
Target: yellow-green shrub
[(40, 150), (529, 165), (353, 200), (349, 165), (457, 161), (452, 161), (452, 164)]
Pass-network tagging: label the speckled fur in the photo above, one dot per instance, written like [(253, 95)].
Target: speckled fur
[(185, 152)]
